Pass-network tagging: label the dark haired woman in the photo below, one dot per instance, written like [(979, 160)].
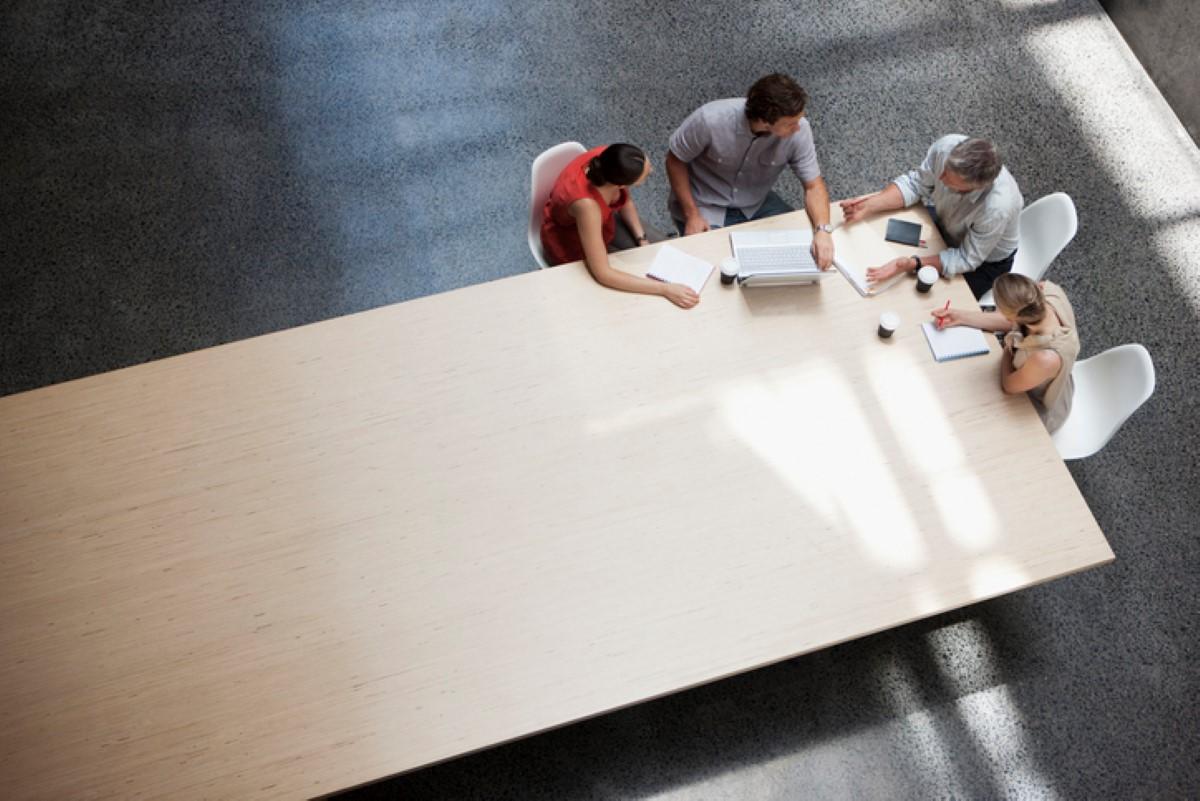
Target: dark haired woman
[(589, 212), (1040, 345)]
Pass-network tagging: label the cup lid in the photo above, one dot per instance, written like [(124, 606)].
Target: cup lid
[(889, 319), (927, 274)]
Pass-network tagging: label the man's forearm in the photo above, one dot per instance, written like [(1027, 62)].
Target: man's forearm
[(934, 261), (677, 175), (889, 198), (816, 202)]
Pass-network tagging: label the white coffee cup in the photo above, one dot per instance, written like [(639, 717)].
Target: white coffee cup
[(729, 270), (888, 323), (926, 277)]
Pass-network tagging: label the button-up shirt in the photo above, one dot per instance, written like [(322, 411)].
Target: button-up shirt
[(729, 166), (979, 226)]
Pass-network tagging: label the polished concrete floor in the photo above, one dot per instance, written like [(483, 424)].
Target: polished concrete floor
[(177, 176)]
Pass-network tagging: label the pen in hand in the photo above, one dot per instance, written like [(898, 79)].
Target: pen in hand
[(941, 321)]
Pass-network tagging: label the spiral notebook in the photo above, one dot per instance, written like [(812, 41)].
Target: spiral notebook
[(954, 343)]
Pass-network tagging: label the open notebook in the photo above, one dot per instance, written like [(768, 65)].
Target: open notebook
[(676, 267), (954, 343)]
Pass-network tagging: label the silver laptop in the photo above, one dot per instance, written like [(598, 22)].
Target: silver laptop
[(775, 258)]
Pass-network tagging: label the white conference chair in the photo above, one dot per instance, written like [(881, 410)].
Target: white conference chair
[(1046, 226), (546, 168), (1109, 387)]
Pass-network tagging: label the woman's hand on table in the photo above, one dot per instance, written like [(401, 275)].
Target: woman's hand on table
[(682, 296)]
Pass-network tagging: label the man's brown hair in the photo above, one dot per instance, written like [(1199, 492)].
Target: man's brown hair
[(774, 96)]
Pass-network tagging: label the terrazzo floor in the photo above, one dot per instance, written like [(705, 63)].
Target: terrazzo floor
[(178, 176)]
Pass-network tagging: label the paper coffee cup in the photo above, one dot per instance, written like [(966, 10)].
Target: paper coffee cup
[(926, 277), (888, 323), (729, 270)]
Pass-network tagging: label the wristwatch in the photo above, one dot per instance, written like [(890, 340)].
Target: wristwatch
[(826, 227)]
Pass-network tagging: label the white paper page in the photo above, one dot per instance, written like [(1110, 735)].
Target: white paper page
[(676, 267)]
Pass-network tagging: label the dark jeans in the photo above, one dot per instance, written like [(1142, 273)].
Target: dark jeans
[(772, 205), (623, 237), (982, 277)]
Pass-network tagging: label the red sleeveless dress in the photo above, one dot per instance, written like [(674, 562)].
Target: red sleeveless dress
[(560, 235)]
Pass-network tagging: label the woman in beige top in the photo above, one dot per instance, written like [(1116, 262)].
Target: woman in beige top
[(1040, 342)]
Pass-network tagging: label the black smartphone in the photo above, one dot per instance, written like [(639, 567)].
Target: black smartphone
[(904, 232)]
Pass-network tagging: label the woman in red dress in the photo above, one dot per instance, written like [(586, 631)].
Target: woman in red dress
[(590, 213)]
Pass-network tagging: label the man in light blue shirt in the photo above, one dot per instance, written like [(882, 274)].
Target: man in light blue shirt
[(975, 202)]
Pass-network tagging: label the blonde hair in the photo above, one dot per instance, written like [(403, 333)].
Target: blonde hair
[(1021, 296)]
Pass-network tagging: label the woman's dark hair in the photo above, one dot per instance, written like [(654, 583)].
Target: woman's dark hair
[(618, 164), (774, 96)]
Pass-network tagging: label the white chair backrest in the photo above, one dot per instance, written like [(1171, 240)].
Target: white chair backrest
[(546, 169), (1109, 387), (1047, 225)]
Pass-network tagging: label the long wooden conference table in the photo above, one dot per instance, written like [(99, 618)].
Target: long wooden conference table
[(309, 560)]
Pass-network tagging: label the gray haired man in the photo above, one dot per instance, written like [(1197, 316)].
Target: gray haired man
[(975, 202)]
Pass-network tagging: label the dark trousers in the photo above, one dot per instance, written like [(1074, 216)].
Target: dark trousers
[(982, 277), (623, 237), (772, 205)]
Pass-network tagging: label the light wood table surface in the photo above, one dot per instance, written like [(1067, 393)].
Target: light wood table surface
[(305, 561)]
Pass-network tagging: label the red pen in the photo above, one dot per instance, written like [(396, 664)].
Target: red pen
[(942, 320)]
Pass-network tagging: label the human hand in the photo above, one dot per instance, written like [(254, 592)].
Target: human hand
[(822, 249), (877, 275), (856, 208), (695, 225), (948, 318), (682, 296)]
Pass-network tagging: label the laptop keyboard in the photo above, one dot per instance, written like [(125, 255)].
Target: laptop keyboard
[(776, 259)]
